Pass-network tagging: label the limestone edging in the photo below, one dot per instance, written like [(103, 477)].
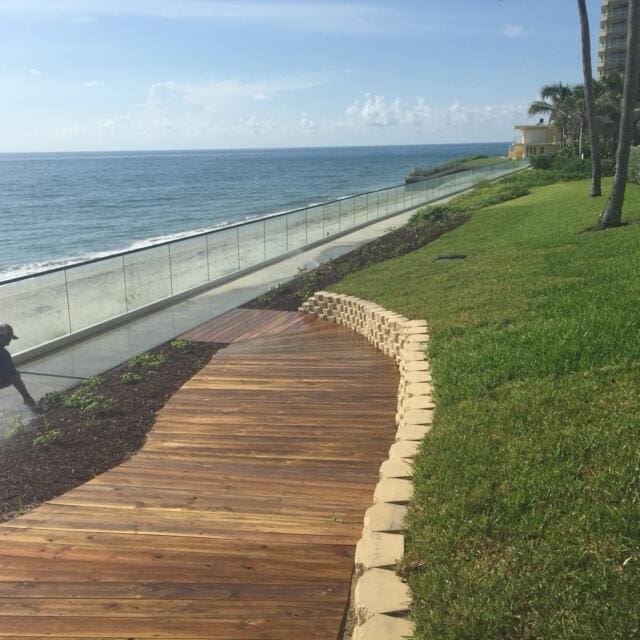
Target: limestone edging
[(382, 600)]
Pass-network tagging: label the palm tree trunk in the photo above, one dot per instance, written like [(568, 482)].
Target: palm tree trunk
[(612, 214), (596, 181)]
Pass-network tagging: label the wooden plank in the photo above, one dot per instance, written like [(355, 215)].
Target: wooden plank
[(239, 517)]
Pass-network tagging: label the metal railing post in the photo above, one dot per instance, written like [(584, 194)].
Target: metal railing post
[(238, 244), (124, 282), (264, 239), (206, 244), (170, 269), (66, 289)]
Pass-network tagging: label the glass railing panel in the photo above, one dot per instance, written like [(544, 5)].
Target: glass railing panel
[(360, 209), (36, 308), (315, 223), (392, 199), (96, 292), (222, 247), (382, 203), (331, 218), (372, 206), (147, 276), (347, 213), (189, 264), (411, 192), (275, 237), (296, 229), (251, 238)]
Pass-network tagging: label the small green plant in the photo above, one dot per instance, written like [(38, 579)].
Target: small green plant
[(17, 426), (92, 382), (54, 399), (85, 398), (181, 344), (130, 377), (48, 437), (148, 361)]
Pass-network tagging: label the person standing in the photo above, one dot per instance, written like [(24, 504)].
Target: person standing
[(8, 374)]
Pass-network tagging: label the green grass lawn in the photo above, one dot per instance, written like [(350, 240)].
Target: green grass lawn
[(484, 162), (526, 516)]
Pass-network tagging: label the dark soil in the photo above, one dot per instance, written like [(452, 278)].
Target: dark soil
[(65, 445), (289, 296)]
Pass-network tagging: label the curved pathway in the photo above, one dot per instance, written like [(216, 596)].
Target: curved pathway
[(239, 517)]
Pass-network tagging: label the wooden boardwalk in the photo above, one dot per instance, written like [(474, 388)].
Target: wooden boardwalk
[(239, 517)]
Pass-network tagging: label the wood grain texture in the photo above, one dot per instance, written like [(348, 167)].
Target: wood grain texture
[(239, 517)]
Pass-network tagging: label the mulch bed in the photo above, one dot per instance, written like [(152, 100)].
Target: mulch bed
[(289, 296), (65, 446)]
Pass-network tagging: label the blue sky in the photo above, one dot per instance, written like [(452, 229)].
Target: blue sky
[(186, 74)]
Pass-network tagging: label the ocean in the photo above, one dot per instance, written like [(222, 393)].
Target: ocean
[(60, 208)]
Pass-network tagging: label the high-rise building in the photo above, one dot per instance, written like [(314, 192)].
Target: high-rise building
[(613, 36)]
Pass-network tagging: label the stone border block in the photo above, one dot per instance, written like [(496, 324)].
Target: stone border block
[(385, 517), (412, 431), (381, 627), (380, 591), (393, 490), (376, 550), (404, 449), (396, 468)]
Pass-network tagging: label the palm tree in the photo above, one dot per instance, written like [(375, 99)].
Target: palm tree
[(590, 100), (556, 101), (612, 214)]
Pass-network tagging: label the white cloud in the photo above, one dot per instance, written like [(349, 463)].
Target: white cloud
[(165, 123), (211, 94), (376, 111), (116, 125), (92, 83), (35, 72), (71, 131), (512, 31), (307, 124)]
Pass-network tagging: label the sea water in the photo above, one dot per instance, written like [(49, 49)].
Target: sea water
[(60, 208)]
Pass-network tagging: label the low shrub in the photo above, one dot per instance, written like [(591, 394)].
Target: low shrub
[(85, 398), (484, 195), (47, 438), (130, 377), (541, 162), (148, 361), (634, 165), (182, 344), (608, 167)]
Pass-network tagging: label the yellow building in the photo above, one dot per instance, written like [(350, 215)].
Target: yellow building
[(536, 140)]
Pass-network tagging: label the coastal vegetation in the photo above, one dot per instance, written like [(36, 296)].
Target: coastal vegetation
[(452, 166), (524, 521)]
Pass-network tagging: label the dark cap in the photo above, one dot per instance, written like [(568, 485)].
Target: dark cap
[(7, 331)]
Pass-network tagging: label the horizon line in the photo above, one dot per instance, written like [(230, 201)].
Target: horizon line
[(285, 148)]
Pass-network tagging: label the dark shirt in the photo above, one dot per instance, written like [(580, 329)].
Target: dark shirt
[(7, 369)]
